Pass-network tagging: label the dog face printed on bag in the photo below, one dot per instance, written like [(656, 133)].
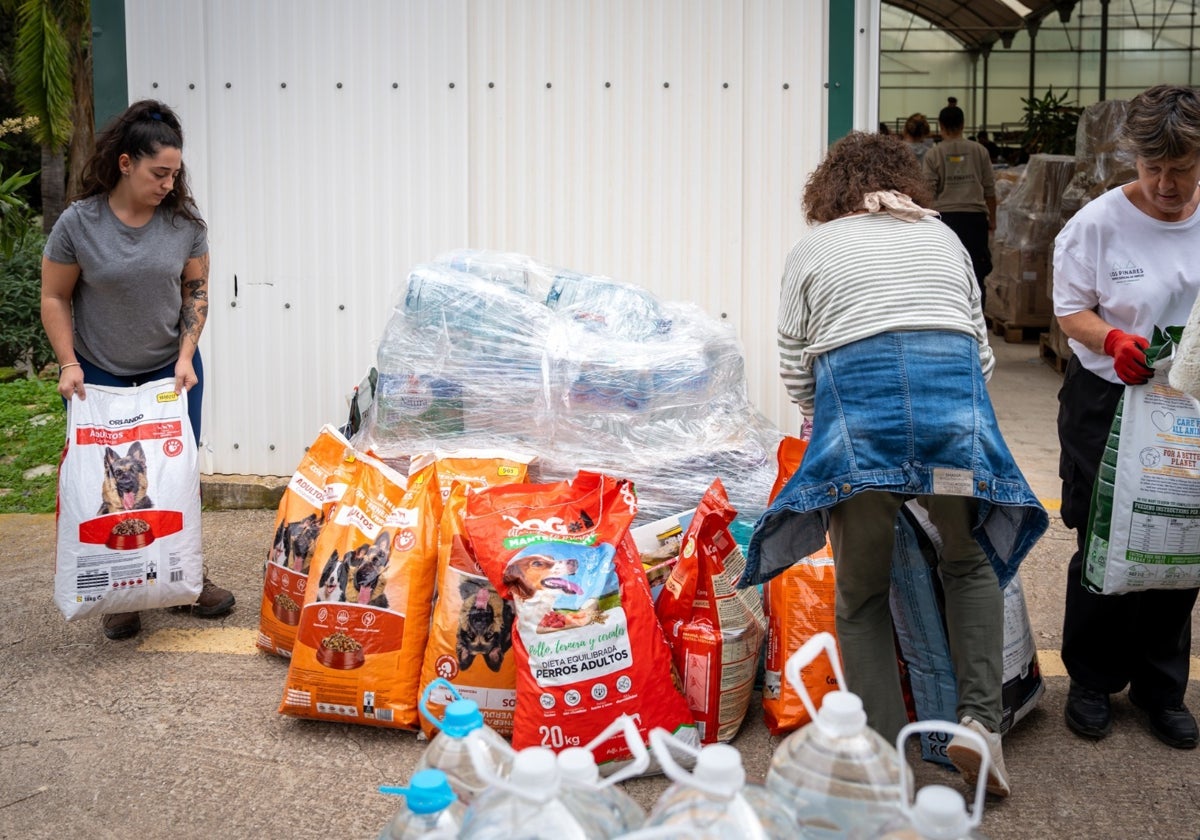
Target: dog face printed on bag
[(294, 542), (484, 625), (125, 480), (536, 580), (332, 583), (368, 566)]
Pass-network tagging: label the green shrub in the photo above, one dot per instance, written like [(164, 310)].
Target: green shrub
[(33, 428), (22, 338)]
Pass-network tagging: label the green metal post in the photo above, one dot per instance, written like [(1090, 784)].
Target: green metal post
[(841, 69), (110, 79)]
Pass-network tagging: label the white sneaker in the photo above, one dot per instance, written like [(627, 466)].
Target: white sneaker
[(966, 757)]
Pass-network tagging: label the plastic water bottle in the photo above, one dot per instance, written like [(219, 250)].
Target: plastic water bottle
[(462, 723), (582, 783), (715, 801), (431, 809), (836, 774), (529, 804), (939, 813)]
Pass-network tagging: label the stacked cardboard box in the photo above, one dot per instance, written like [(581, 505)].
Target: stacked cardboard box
[(1031, 216)]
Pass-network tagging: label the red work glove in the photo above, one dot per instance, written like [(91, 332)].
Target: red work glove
[(1129, 356)]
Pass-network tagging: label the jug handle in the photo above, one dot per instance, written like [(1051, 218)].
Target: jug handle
[(806, 655), (624, 725), (479, 760), (423, 704), (661, 742), (985, 759)]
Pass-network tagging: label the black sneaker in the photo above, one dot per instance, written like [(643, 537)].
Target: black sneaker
[(118, 626), (1088, 712), (1173, 725)]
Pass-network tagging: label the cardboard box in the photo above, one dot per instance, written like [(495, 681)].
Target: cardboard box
[(1017, 288)]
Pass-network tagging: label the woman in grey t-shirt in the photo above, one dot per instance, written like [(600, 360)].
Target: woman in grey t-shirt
[(125, 281)]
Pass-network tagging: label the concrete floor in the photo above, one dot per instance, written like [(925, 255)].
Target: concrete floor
[(176, 735)]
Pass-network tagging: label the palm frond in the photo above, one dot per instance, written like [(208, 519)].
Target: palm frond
[(42, 72)]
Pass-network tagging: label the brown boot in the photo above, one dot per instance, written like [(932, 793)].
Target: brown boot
[(213, 601), (118, 626)]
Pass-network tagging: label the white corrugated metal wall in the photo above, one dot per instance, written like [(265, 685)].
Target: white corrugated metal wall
[(332, 146)]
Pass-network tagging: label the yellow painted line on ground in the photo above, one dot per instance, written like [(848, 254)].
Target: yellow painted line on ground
[(1051, 504), (207, 640)]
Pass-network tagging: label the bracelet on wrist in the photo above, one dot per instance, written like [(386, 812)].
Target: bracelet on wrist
[(61, 368)]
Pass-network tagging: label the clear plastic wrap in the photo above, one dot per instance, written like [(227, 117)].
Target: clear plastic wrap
[(492, 349), (1100, 164), (1034, 206)]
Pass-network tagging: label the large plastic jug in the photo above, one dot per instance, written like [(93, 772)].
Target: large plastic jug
[(529, 804), (837, 775), (431, 809), (715, 801), (461, 723), (940, 812), (581, 777)]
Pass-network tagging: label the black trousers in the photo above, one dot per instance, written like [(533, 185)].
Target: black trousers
[(972, 231), (1140, 639)]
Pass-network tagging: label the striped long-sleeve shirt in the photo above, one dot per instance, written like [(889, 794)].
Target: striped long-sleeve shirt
[(863, 275)]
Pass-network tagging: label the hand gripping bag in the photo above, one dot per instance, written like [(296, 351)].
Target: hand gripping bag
[(320, 479), (128, 503), (588, 645)]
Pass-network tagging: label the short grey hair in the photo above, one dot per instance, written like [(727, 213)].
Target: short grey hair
[(1163, 123)]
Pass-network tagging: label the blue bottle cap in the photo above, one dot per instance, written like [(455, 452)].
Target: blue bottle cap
[(428, 792), (461, 718)]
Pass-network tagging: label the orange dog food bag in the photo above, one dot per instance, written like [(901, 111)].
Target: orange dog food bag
[(588, 646), (318, 483), (798, 603), (470, 639), (365, 620)]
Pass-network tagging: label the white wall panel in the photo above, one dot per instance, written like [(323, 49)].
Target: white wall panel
[(670, 150)]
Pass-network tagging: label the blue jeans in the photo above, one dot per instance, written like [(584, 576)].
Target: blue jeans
[(93, 375)]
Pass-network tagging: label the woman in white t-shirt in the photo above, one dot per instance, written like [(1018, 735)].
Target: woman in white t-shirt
[(1125, 263)]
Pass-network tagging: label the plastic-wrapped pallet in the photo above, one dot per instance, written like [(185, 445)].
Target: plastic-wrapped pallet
[(494, 349)]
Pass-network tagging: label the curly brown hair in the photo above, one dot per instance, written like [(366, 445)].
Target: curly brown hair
[(858, 164)]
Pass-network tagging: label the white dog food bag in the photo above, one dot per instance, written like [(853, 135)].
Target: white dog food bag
[(128, 503)]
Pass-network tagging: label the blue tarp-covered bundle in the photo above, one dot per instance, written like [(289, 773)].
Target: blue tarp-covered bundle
[(489, 350)]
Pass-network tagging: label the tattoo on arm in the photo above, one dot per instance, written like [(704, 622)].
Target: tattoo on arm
[(194, 311)]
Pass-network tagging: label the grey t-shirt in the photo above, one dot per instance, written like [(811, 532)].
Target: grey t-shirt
[(127, 299)]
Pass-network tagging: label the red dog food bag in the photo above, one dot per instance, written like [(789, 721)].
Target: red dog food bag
[(799, 603), (715, 630), (128, 503), (588, 645), (319, 482), (365, 620), (470, 639)]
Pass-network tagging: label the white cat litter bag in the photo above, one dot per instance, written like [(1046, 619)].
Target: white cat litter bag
[(128, 503)]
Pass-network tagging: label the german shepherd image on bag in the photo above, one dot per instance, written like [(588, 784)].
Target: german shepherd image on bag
[(125, 483)]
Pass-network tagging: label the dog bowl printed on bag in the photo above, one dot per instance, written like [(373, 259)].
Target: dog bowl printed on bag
[(340, 652), (131, 533), (285, 609)]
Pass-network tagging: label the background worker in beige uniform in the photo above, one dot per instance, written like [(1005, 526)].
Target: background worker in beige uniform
[(959, 172)]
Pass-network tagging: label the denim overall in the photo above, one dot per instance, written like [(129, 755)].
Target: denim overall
[(906, 412)]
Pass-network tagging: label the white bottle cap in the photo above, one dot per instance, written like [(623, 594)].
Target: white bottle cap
[(940, 813), (841, 714), (534, 768), (720, 765), (578, 765)]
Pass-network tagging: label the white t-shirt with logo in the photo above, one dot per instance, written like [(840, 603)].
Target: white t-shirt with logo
[(1134, 271)]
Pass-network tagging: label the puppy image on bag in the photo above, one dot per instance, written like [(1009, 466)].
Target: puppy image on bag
[(332, 583), (484, 624), (538, 582), (294, 542), (125, 481), (367, 566)]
